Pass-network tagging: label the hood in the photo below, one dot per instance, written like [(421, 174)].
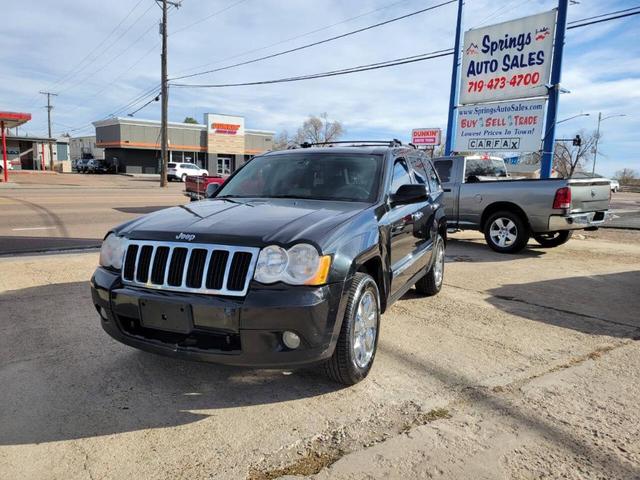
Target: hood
[(247, 222)]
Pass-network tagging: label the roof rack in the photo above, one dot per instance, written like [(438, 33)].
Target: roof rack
[(355, 143)]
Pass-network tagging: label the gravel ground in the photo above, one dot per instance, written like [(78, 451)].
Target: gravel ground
[(524, 366)]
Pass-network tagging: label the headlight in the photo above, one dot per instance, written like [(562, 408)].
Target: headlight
[(300, 265), (112, 251)]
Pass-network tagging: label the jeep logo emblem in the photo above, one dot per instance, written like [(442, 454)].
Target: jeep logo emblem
[(185, 236)]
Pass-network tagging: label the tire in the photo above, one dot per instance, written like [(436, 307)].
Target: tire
[(349, 363), (183, 178), (506, 232), (553, 239), (431, 283)]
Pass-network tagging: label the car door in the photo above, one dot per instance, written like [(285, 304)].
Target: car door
[(445, 168), (401, 220), (425, 224)]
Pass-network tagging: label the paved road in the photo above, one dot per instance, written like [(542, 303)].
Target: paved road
[(626, 208), (524, 366), (74, 211)]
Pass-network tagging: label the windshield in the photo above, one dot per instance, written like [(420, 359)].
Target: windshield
[(317, 176), (484, 168)]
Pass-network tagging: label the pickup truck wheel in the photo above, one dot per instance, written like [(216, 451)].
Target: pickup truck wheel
[(431, 283), (553, 239), (505, 232), (358, 340)]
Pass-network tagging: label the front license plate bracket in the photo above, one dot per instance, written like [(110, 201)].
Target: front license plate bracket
[(167, 316)]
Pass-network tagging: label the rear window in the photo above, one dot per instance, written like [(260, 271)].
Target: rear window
[(484, 168), (443, 167), (171, 165)]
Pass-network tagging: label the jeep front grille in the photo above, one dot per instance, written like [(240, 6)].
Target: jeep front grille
[(195, 268)]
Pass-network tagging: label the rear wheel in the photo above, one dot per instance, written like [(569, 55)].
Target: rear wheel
[(356, 347), (553, 239), (505, 232), (431, 283)]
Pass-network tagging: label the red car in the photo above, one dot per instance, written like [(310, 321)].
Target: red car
[(196, 186)]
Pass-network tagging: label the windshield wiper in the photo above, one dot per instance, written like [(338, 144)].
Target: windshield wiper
[(299, 197)]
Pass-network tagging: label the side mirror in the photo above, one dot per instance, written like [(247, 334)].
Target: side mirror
[(409, 194), (212, 188)]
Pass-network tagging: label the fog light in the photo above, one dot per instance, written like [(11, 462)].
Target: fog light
[(291, 340)]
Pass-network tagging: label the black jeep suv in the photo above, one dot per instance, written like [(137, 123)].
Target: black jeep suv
[(291, 262)]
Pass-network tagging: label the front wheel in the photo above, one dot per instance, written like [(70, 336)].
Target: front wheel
[(431, 283), (553, 239), (506, 232), (356, 347)]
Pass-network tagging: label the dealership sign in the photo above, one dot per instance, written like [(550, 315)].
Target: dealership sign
[(507, 126), (508, 60), (426, 136)]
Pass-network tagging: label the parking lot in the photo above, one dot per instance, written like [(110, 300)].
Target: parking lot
[(525, 366)]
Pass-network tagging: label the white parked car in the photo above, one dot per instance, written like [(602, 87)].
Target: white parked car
[(180, 171), (615, 186)]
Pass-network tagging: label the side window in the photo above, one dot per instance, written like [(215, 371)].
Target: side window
[(418, 171), (432, 176), (444, 169), (400, 175)]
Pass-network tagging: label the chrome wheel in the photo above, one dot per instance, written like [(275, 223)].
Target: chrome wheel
[(503, 232), (438, 264), (365, 329)]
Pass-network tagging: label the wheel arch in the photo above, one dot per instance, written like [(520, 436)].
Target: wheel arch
[(373, 267), (503, 206)]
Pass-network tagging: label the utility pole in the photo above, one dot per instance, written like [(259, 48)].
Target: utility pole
[(49, 108), (595, 147), (164, 126)]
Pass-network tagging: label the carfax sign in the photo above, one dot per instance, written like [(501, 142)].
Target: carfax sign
[(425, 136), (506, 126), (508, 60)]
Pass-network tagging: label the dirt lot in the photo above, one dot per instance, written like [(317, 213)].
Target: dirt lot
[(524, 366)]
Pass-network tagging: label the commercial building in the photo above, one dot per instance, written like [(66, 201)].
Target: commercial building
[(32, 153), (221, 145), (85, 147)]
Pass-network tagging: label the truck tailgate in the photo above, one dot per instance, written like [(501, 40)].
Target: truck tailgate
[(589, 194)]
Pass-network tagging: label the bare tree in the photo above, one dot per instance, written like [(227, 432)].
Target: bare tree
[(568, 157), (319, 130), (283, 141), (626, 176)]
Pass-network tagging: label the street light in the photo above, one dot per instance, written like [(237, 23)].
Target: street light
[(595, 147), (571, 118)]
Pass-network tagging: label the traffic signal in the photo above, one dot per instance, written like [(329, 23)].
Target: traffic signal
[(577, 141)]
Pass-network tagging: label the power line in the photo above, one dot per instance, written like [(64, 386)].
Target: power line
[(578, 23), (605, 14), (286, 40), (204, 19), (332, 73), (320, 42), (373, 66)]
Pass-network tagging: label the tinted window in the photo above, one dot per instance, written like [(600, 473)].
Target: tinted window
[(171, 165), (319, 176), (484, 168), (419, 173), (444, 170), (400, 175), (432, 176)]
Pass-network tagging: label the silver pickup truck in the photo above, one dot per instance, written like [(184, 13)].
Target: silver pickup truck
[(480, 195)]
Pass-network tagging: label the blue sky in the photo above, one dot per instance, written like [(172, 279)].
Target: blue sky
[(66, 47)]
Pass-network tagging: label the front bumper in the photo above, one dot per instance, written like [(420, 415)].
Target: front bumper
[(576, 221), (235, 331)]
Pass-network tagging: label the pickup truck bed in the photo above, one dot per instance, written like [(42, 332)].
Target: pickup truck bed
[(546, 209)]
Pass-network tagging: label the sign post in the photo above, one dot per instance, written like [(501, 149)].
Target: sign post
[(548, 146), (453, 95)]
